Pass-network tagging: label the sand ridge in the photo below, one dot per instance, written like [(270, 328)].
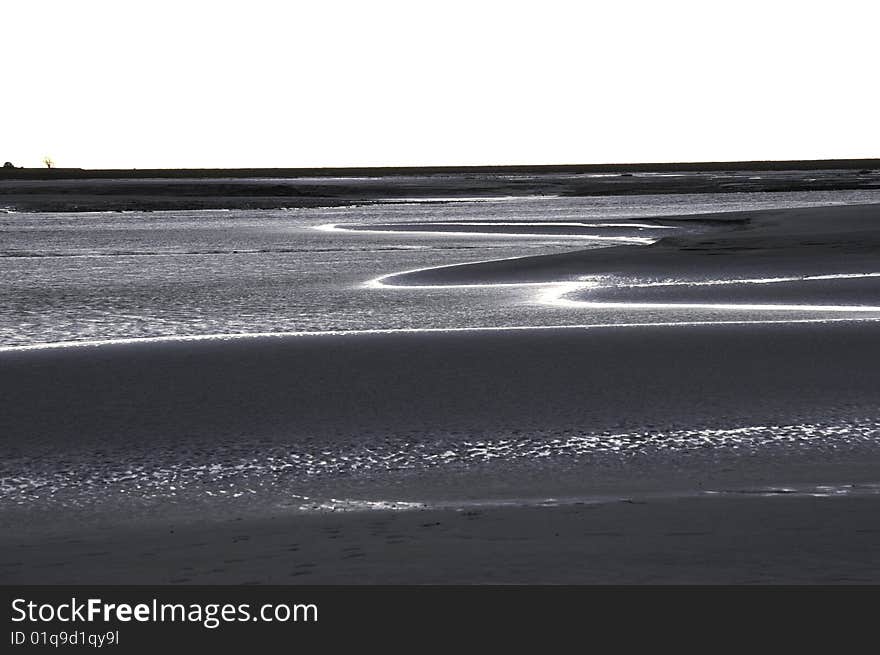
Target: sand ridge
[(771, 260)]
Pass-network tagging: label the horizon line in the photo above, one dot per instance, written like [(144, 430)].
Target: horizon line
[(684, 166)]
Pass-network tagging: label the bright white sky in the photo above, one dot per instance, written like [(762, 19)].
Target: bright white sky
[(124, 84)]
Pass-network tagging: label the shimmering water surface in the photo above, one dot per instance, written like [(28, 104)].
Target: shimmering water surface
[(94, 276), (420, 467)]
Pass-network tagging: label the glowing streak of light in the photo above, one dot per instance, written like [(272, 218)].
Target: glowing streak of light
[(556, 292), (188, 338), (334, 227)]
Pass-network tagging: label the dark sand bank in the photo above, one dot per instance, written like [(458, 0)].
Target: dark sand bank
[(600, 378), (168, 190), (766, 243)]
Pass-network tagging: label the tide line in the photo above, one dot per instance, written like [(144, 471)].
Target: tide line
[(335, 227), (240, 336), (556, 292)]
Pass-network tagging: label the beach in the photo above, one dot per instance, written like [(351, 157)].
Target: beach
[(665, 405), (777, 540), (632, 396)]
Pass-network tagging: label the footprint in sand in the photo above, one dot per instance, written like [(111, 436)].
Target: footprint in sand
[(352, 552), (603, 534)]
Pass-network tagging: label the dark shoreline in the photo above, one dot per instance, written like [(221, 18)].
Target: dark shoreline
[(78, 190), (392, 171)]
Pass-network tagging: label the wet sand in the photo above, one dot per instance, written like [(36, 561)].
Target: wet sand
[(766, 243), (178, 406), (692, 540)]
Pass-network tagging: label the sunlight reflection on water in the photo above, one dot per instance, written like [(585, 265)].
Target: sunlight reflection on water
[(112, 275)]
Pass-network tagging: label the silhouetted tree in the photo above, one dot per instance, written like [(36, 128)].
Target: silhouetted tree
[(48, 161), (8, 164)]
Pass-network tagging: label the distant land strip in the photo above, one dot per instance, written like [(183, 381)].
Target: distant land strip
[(391, 171)]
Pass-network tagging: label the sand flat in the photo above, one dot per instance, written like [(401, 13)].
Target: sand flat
[(748, 540), (805, 241)]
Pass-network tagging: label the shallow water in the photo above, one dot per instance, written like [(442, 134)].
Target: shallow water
[(111, 275), (430, 469)]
